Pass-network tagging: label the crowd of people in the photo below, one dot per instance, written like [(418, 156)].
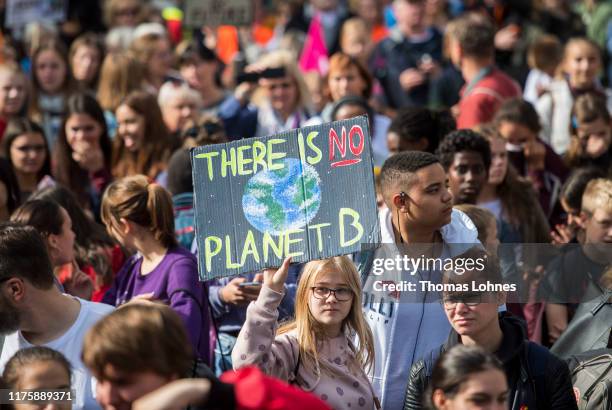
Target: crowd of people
[(491, 134)]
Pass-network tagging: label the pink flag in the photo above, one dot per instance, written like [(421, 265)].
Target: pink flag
[(314, 55)]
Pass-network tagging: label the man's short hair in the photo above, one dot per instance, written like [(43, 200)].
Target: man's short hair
[(139, 338), (476, 36), (23, 254), (597, 195), (400, 168), (460, 141)]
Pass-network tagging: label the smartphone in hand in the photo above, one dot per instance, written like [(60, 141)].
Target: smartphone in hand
[(250, 284)]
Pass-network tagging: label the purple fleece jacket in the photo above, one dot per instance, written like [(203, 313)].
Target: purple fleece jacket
[(175, 282)]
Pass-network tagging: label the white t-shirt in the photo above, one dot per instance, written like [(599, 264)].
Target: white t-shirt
[(70, 344)]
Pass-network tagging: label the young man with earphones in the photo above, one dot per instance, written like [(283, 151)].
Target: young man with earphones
[(420, 221), (536, 378)]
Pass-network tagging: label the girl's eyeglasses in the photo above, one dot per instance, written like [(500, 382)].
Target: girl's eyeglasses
[(341, 294)]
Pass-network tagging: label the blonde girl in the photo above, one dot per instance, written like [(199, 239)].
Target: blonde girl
[(139, 215), (579, 69), (591, 131), (316, 350)]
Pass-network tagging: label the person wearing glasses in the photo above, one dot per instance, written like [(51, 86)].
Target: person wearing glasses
[(536, 378), (326, 348)]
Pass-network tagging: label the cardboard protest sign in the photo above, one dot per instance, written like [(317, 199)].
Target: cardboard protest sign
[(199, 13), (21, 12), (306, 193)]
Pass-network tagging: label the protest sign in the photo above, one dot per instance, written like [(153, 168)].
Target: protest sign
[(21, 12), (200, 13), (306, 193)]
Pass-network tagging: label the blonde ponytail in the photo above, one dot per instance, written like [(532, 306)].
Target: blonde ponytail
[(159, 206), (146, 204)]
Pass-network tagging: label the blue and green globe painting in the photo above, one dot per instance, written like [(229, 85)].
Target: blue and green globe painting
[(282, 199)]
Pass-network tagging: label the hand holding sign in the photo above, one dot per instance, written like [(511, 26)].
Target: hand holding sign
[(275, 280)]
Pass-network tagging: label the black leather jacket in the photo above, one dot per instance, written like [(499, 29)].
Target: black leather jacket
[(537, 379)]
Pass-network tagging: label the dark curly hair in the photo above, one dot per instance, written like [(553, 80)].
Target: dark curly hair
[(463, 140)]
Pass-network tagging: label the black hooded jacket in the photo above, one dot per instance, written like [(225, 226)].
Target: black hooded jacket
[(537, 379)]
